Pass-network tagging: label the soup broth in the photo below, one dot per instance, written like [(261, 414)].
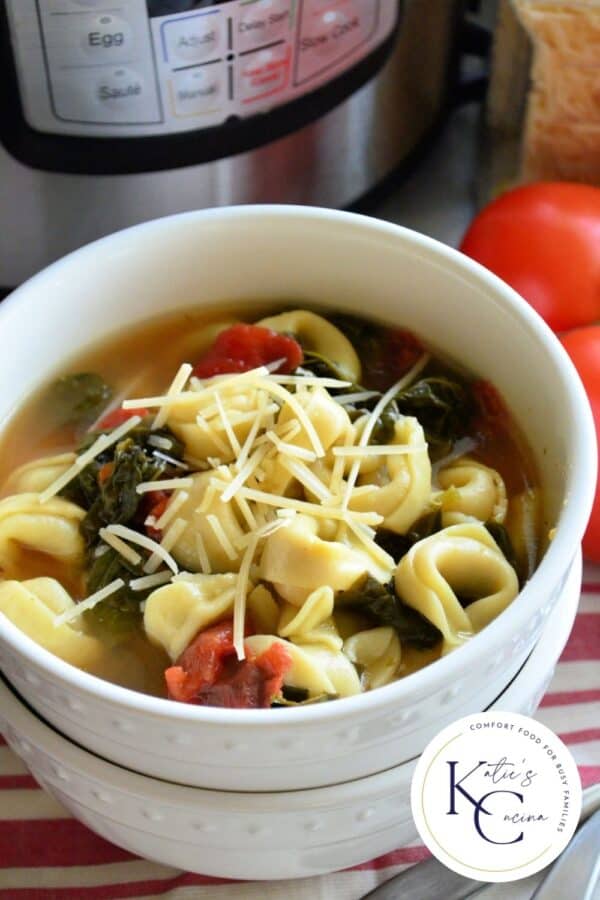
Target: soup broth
[(445, 461)]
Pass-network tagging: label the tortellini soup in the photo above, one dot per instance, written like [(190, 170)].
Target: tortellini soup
[(263, 511)]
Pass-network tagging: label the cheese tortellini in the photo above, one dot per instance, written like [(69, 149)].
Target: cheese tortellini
[(458, 579), (34, 477), (401, 488), (201, 511), (175, 613), (289, 501), (378, 653), (471, 490), (317, 334), (314, 667), (297, 561), (33, 606), (51, 528)]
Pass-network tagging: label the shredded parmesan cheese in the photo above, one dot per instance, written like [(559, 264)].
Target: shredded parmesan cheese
[(177, 385), (241, 591), (172, 509), (103, 442), (244, 474), (300, 413), (358, 397), (379, 450), (249, 442), (167, 484), (374, 416), (202, 554), (120, 546), (163, 443), (150, 581), (363, 535), (307, 478), (312, 509), (231, 435), (290, 449), (147, 543), (69, 614), (170, 538), (222, 538)]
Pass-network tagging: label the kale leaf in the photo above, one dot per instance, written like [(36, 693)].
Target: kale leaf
[(397, 545), (106, 489), (381, 604), (442, 405), (120, 613), (77, 400)]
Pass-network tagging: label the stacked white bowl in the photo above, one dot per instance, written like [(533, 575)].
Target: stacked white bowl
[(292, 791)]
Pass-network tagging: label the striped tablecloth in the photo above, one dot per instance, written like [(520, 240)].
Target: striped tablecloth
[(47, 855)]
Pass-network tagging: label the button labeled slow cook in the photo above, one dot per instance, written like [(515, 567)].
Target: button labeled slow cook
[(263, 22), (192, 38), (197, 91), (330, 32)]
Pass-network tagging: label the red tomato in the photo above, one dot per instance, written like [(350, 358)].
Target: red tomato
[(390, 359), (544, 240), (154, 503), (583, 346), (243, 347), (209, 673), (118, 416)]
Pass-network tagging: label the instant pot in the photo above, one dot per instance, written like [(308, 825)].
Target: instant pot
[(118, 111)]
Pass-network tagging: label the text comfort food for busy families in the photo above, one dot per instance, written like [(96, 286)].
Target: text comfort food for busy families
[(263, 514)]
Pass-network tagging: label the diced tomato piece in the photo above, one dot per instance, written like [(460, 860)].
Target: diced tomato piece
[(489, 402), (208, 672), (201, 661), (105, 472), (154, 504), (118, 416), (243, 347), (397, 354), (274, 663)]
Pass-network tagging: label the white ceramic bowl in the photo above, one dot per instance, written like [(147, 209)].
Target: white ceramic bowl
[(299, 254), (242, 835)]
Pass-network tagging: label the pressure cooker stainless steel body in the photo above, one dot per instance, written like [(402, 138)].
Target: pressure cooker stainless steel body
[(118, 111)]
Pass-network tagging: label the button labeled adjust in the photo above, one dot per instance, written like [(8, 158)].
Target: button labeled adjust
[(192, 38)]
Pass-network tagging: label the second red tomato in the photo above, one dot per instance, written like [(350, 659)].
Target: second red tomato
[(544, 240)]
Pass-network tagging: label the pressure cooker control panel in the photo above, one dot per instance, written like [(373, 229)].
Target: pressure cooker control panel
[(108, 68)]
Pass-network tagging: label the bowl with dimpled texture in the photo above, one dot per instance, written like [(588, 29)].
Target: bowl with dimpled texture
[(339, 260), (248, 835)]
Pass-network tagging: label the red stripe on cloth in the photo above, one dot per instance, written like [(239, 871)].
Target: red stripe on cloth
[(566, 698), (2, 741), (12, 782), (54, 842), (155, 887), (580, 737), (584, 642), (589, 775), (402, 857), (590, 587)]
